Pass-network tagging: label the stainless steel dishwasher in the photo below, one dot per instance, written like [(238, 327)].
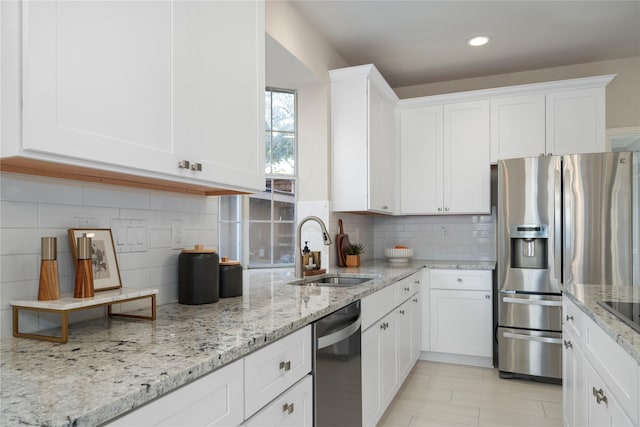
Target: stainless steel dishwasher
[(337, 368)]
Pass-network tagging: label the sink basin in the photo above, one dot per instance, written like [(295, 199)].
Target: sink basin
[(335, 280)]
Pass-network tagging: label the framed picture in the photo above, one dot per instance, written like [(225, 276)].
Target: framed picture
[(104, 263)]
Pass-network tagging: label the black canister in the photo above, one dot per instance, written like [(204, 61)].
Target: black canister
[(230, 278), (198, 276)]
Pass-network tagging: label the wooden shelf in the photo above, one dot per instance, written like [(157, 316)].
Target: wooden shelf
[(68, 304)]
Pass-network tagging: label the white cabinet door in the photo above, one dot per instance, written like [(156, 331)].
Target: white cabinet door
[(97, 82), (389, 357), (292, 409), (425, 311), (219, 87), (363, 140), (371, 375), (517, 127), (573, 397), (467, 181), (602, 407), (461, 322), (213, 400), (404, 350), (416, 327), (421, 175), (576, 121), (381, 150)]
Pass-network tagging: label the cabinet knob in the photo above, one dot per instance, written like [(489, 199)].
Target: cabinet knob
[(407, 289), (599, 395), (196, 167), (288, 408), (385, 207), (439, 209), (184, 164), (487, 296), (415, 300), (567, 344), (459, 279), (569, 318), (285, 365), (446, 209), (402, 312)]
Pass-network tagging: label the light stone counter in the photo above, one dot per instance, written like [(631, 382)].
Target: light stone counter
[(586, 297), (110, 366)]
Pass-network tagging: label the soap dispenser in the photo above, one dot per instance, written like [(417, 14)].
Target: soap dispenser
[(83, 287), (306, 255)]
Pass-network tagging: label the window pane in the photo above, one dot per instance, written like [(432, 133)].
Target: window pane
[(230, 240), (260, 244), (267, 110), (283, 185), (283, 250), (259, 208), (283, 211), (283, 110), (229, 208), (282, 153), (268, 153)]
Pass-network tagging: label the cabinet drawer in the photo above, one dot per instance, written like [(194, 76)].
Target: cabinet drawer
[(270, 371), (377, 305), (408, 286), (213, 400), (616, 367), (471, 280), (294, 408), (572, 319)]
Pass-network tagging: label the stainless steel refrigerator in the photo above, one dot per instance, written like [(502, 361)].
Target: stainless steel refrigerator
[(561, 220)]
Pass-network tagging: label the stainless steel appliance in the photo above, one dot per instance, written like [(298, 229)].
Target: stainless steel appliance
[(337, 368), (561, 220)]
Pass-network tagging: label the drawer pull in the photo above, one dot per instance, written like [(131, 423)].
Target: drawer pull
[(417, 282), (547, 340), (569, 318), (407, 289), (567, 344), (600, 397), (415, 300), (288, 408), (459, 279), (402, 312), (487, 296), (285, 365), (532, 301)]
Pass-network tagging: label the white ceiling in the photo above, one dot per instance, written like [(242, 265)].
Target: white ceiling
[(423, 41)]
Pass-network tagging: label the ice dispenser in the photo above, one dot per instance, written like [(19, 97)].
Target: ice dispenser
[(529, 246)]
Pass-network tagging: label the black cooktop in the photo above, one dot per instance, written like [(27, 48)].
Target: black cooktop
[(628, 312)]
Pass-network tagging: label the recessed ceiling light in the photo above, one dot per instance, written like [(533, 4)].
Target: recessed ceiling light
[(478, 41)]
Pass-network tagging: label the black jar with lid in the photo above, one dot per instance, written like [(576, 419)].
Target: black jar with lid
[(230, 278), (198, 276)]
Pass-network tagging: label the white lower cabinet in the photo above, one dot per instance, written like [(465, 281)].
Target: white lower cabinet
[(460, 316), (389, 346), (294, 408), (600, 381), (214, 400)]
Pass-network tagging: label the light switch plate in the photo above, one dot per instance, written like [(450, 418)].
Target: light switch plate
[(129, 235)]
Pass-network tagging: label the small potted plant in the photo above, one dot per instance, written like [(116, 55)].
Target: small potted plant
[(353, 254)]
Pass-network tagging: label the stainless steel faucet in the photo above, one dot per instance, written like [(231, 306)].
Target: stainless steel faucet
[(325, 236)]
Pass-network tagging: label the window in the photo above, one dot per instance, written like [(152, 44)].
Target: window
[(264, 223)]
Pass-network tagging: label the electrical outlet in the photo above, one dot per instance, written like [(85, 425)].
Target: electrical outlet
[(83, 222), (177, 234)]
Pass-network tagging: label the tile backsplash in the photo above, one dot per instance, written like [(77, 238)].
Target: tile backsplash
[(32, 207), (459, 237)]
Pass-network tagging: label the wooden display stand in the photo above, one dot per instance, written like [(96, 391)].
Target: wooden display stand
[(68, 304)]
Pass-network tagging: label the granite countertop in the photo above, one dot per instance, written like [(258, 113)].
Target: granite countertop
[(110, 366), (586, 297)]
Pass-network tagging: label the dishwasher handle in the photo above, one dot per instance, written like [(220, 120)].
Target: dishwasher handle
[(335, 337)]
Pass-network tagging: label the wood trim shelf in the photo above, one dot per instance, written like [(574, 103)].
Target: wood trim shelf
[(68, 304)]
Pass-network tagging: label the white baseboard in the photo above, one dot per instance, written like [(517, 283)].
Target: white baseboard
[(458, 359)]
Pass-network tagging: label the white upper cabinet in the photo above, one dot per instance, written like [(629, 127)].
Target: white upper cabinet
[(560, 117), (363, 140), (137, 87), (576, 121), (444, 164), (517, 127)]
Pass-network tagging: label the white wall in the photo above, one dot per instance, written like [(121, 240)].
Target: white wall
[(33, 207)]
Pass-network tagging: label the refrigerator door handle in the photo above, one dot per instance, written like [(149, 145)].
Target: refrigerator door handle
[(532, 338), (532, 301), (557, 225)]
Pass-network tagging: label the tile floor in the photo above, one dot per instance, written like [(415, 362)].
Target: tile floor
[(444, 395)]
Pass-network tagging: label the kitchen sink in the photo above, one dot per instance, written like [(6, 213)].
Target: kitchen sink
[(336, 280)]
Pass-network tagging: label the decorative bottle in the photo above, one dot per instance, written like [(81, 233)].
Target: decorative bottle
[(49, 288), (84, 272)]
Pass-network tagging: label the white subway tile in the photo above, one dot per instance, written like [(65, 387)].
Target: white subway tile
[(23, 290), (170, 202), (159, 238), (209, 205), (6, 323), (65, 216), (115, 197), (30, 188), (19, 267), (18, 214)]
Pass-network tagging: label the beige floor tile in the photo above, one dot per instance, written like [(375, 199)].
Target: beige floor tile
[(494, 401), (470, 384), (439, 411), (537, 391), (553, 410), (425, 394), (500, 418), (396, 416), (432, 422), (459, 371)]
